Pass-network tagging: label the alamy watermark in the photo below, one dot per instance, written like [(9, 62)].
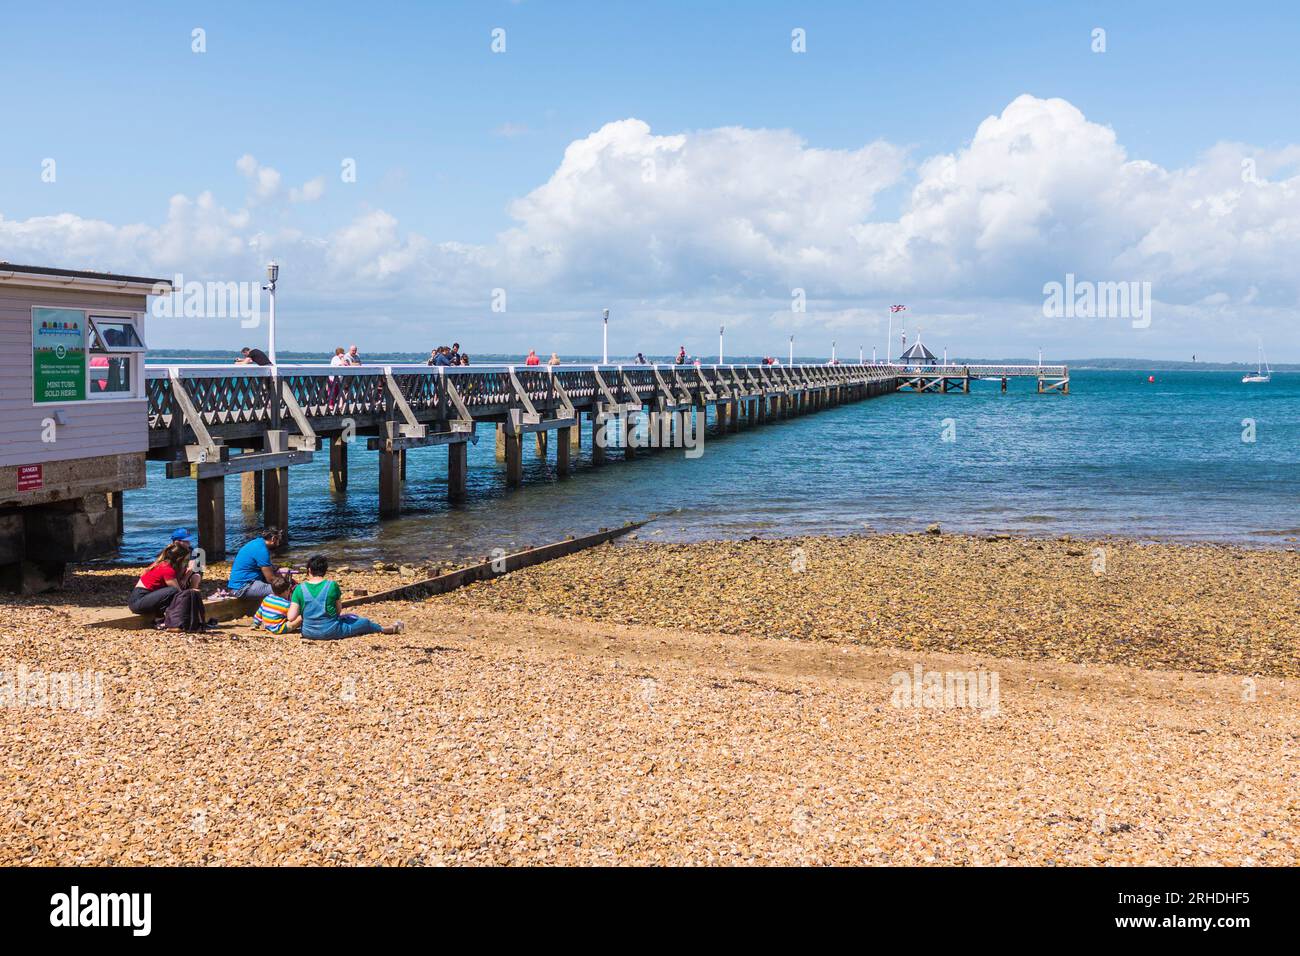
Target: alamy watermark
[(78, 691), (977, 690), (1084, 299), (659, 432), (209, 300)]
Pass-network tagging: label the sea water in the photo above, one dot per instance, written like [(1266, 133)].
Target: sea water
[(1191, 456)]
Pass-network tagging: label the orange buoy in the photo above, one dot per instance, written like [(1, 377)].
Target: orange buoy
[(1151, 378)]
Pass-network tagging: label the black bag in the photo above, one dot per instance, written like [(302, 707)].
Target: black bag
[(185, 612)]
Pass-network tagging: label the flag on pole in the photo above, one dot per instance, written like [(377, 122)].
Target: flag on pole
[(898, 308)]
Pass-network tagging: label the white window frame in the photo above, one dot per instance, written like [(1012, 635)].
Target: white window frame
[(134, 355)]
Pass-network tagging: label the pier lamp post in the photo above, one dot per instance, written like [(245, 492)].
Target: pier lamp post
[(272, 276), (721, 330), (792, 350), (604, 350), (873, 355), (860, 355), (832, 351)]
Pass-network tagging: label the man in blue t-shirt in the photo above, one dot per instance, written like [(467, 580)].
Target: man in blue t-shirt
[(252, 572)]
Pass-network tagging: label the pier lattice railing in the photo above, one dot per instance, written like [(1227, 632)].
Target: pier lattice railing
[(242, 394)]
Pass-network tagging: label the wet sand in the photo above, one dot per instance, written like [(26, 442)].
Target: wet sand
[(717, 703)]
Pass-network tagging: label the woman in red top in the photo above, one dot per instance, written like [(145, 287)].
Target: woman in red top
[(161, 581), (532, 358)]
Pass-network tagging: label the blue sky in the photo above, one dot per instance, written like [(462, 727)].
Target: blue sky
[(447, 135)]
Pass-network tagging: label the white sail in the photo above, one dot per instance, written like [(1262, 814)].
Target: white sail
[(1262, 372)]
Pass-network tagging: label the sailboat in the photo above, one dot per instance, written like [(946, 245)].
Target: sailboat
[(1263, 373)]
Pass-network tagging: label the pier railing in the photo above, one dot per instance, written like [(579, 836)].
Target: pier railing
[(209, 422), (235, 398)]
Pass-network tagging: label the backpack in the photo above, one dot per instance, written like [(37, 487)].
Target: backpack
[(185, 612)]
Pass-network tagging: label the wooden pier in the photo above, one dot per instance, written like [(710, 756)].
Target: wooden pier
[(208, 422)]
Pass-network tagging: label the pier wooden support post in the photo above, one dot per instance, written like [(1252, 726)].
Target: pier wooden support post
[(390, 484), (250, 490), (275, 498), (629, 428), (563, 445), (390, 476), (965, 383), (541, 443), (402, 459), (338, 464), (457, 470), (575, 435), (721, 411), (275, 482), (212, 517), (119, 503), (501, 442), (597, 439), (733, 415), (514, 446), (753, 411)]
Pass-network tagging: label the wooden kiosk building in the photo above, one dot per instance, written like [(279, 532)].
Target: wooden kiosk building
[(73, 415)]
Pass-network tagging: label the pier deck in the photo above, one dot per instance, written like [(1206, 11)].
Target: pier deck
[(211, 421)]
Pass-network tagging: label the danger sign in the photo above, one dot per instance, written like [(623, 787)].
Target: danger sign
[(31, 477)]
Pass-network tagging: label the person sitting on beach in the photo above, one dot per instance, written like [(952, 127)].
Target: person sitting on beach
[(251, 573), (165, 578), (315, 603), (532, 358), (193, 573), (273, 614)]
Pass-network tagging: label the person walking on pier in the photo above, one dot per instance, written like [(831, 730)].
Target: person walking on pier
[(532, 358), (554, 359), (338, 361), (251, 573), (681, 355), (315, 603), (640, 359), (354, 357)]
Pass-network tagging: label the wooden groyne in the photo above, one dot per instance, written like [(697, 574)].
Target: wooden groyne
[(230, 609), (208, 422)]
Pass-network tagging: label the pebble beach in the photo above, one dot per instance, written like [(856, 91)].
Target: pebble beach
[(713, 703)]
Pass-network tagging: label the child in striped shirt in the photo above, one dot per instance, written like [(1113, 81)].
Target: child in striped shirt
[(274, 611)]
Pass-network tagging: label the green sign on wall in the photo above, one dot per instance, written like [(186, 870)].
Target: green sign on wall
[(58, 355)]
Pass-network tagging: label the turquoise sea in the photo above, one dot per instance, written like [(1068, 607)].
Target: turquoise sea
[(1118, 456)]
